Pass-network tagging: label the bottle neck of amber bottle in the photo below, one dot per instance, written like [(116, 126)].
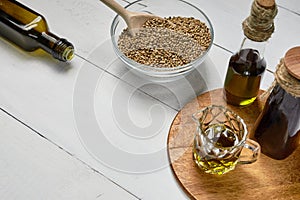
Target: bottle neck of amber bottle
[(29, 30), (246, 67)]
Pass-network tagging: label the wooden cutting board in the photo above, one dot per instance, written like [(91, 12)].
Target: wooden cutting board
[(266, 178)]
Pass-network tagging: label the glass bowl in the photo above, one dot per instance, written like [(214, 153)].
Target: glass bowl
[(165, 8)]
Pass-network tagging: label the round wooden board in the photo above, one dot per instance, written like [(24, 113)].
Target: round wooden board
[(266, 178)]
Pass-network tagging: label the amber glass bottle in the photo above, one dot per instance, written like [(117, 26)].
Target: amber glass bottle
[(29, 30), (277, 129)]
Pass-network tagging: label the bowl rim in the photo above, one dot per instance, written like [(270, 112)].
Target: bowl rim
[(159, 70)]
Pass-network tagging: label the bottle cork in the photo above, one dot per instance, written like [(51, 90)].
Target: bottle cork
[(292, 62), (266, 3)]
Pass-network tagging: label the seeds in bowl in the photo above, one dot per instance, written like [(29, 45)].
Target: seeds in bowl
[(166, 43)]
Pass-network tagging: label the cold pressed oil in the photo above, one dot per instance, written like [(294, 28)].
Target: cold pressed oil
[(243, 78), (218, 137), (29, 30), (247, 66)]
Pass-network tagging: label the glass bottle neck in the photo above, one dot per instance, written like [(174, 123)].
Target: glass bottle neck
[(58, 47), (250, 44)]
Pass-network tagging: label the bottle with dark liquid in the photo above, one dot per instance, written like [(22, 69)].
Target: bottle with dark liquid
[(277, 129), (244, 74), (29, 30)]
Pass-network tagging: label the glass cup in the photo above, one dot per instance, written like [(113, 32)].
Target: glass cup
[(219, 140)]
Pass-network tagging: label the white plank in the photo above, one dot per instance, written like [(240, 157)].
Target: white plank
[(292, 5), (46, 105), (209, 75), (33, 168)]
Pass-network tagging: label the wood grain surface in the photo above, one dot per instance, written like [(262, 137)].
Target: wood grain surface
[(266, 178), (292, 61), (266, 3)]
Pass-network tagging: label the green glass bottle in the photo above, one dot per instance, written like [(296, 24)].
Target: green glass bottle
[(29, 30)]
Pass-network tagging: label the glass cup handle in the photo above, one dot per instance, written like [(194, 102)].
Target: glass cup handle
[(254, 147)]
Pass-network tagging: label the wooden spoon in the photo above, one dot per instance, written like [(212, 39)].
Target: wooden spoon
[(134, 20)]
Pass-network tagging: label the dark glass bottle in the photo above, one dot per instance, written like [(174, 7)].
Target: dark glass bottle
[(29, 30), (244, 73), (278, 127)]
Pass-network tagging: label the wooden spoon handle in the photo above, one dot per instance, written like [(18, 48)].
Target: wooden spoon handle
[(117, 8)]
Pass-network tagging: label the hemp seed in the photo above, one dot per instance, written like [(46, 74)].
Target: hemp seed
[(168, 42)]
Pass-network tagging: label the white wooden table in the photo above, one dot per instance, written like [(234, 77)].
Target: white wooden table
[(92, 130)]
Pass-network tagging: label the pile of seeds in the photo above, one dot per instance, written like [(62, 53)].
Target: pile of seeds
[(168, 42)]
